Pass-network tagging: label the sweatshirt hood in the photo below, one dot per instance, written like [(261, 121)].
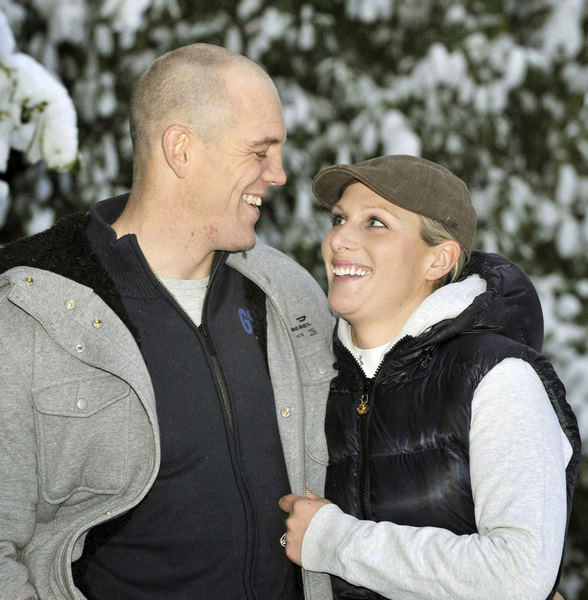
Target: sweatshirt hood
[(510, 305)]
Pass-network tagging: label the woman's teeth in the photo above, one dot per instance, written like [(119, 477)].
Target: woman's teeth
[(351, 271), (251, 199)]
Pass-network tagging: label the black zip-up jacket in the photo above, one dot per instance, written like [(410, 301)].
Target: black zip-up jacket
[(205, 527)]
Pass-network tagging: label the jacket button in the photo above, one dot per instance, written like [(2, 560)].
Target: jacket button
[(97, 323), (80, 347), (82, 404), (29, 280), (286, 412), (70, 303)]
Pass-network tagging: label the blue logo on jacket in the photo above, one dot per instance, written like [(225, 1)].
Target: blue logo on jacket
[(246, 320)]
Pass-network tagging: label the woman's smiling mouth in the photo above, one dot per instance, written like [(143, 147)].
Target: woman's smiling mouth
[(350, 270)]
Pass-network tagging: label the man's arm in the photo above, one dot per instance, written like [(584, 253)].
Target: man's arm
[(18, 485)]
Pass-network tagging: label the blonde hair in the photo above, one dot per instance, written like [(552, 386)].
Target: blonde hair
[(433, 233)]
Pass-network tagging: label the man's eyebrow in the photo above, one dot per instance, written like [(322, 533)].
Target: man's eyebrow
[(267, 142)]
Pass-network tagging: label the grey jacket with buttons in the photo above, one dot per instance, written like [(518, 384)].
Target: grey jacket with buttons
[(79, 441)]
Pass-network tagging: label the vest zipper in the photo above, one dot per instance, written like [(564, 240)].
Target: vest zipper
[(364, 413), (363, 410)]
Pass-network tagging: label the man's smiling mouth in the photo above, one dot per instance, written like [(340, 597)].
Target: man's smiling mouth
[(251, 199)]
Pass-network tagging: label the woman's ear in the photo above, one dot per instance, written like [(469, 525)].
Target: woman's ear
[(175, 143), (445, 255)]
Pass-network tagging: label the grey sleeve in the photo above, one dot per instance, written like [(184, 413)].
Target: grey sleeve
[(18, 481)]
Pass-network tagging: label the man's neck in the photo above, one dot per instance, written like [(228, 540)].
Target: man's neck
[(171, 248)]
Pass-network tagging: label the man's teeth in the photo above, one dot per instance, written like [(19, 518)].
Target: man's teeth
[(351, 271), (251, 199)]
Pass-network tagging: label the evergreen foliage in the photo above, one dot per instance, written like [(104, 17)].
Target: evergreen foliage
[(496, 90)]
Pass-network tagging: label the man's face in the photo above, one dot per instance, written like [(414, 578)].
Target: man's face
[(241, 163)]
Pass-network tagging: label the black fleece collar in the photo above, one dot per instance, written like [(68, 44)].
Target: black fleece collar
[(64, 249), (122, 257)]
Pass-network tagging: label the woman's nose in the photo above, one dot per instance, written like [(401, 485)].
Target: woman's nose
[(341, 239)]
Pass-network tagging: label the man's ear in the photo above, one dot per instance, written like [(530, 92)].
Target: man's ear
[(445, 255), (175, 143)]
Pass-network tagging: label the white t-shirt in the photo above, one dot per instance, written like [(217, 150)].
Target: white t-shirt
[(189, 294)]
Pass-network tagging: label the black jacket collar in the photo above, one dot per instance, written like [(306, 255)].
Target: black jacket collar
[(65, 249)]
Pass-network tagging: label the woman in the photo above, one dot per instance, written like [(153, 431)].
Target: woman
[(452, 450)]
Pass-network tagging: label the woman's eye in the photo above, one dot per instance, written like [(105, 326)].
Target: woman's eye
[(337, 220), (375, 222), (261, 155)]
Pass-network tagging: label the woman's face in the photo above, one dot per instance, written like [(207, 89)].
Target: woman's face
[(376, 263)]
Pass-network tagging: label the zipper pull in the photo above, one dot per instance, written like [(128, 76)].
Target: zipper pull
[(363, 406)]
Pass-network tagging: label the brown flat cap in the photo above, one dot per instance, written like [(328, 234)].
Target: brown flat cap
[(411, 182)]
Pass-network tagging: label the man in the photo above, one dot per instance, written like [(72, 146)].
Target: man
[(159, 368)]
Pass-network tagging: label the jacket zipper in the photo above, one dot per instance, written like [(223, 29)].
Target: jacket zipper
[(220, 380), (227, 410), (219, 259)]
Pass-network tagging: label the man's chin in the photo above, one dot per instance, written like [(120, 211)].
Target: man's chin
[(243, 245), (251, 245)]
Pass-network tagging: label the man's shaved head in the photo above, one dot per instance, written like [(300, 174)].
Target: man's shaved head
[(187, 86)]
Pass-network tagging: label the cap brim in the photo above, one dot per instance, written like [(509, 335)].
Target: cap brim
[(329, 183)]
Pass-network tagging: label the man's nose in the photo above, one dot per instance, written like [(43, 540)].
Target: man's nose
[(274, 174)]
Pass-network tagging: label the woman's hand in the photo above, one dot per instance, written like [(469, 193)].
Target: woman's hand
[(300, 509)]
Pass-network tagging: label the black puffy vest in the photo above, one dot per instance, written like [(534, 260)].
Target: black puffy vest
[(398, 443)]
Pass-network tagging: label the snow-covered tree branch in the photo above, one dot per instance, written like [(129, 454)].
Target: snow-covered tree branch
[(37, 115)]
